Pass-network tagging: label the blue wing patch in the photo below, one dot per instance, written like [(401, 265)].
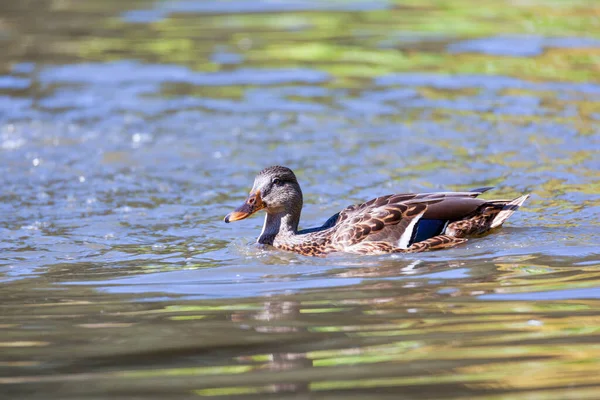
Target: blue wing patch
[(428, 228)]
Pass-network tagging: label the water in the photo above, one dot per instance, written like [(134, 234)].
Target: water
[(129, 129)]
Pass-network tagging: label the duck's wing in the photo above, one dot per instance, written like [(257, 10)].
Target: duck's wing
[(392, 219), (396, 198), (387, 219)]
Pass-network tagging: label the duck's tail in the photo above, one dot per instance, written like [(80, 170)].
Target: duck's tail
[(507, 210)]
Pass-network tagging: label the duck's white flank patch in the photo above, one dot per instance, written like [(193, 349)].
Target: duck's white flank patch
[(405, 238), (507, 211)]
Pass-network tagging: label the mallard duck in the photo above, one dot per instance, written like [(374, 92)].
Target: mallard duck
[(396, 223)]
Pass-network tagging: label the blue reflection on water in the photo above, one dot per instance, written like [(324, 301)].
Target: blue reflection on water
[(488, 82), (520, 45), (12, 82), (585, 293), (164, 9), (120, 72)]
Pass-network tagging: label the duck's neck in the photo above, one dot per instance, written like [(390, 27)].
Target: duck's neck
[(279, 226)]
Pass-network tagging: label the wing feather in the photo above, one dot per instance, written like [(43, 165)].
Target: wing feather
[(392, 218), (384, 219)]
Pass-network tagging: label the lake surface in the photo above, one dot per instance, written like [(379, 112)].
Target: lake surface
[(129, 129)]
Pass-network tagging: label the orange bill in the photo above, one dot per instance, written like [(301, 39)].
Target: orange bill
[(252, 204)]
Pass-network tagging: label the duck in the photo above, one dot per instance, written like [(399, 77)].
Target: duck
[(394, 223)]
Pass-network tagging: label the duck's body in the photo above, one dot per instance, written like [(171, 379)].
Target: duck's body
[(397, 223)]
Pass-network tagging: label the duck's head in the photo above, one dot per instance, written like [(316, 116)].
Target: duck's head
[(275, 189)]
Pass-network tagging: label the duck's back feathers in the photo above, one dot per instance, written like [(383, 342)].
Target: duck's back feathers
[(387, 219), (404, 221)]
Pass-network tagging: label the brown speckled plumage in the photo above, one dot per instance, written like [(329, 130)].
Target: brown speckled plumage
[(397, 223)]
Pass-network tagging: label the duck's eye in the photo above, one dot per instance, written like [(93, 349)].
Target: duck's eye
[(277, 181)]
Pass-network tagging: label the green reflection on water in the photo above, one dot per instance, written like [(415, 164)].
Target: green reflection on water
[(408, 37), (234, 390), (187, 371)]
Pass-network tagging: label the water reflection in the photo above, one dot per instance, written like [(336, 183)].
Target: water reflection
[(161, 11), (521, 46), (422, 338)]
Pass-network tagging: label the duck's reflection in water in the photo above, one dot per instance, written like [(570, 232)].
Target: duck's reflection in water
[(274, 316)]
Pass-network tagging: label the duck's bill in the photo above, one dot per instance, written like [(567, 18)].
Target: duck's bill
[(252, 204)]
